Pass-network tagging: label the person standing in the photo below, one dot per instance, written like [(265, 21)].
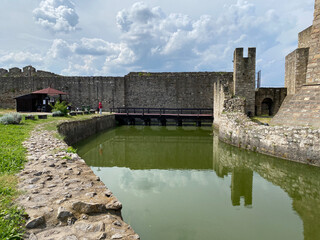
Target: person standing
[(100, 108)]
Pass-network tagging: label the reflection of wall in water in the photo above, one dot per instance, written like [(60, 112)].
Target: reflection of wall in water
[(143, 150), (241, 186), (241, 180), (300, 182)]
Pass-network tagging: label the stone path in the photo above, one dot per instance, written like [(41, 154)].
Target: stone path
[(63, 198)]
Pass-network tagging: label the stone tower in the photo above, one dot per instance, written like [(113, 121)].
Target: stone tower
[(302, 108), (313, 72), (244, 72)]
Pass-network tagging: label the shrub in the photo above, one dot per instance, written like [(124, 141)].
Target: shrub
[(57, 114), (61, 107), (71, 150), (11, 118)]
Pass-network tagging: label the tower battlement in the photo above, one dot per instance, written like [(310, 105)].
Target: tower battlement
[(244, 71)]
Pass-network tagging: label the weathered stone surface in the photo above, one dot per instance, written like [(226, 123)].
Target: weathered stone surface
[(33, 237), (115, 205), (301, 109), (117, 236), (82, 207), (71, 237), (63, 214), (35, 222), (300, 144), (244, 77), (102, 236), (176, 90), (117, 223), (52, 194)]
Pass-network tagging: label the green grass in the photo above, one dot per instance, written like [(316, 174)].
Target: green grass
[(262, 119), (11, 217), (12, 160)]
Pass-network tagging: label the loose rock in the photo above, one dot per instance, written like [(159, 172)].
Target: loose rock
[(88, 208), (63, 214), (36, 222)]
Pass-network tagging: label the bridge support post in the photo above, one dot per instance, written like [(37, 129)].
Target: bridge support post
[(162, 122), (179, 122), (147, 121), (198, 123), (131, 121)]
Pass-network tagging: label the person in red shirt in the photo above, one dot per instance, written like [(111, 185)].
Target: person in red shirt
[(100, 108)]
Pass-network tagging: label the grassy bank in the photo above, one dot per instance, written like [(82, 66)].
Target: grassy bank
[(12, 159)]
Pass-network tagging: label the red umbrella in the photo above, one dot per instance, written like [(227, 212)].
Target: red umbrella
[(50, 91)]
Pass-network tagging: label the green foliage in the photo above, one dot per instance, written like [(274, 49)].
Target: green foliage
[(11, 217), (57, 114), (140, 74), (66, 158), (11, 220), (262, 119), (61, 107), (71, 150), (11, 118), (11, 150), (12, 159)]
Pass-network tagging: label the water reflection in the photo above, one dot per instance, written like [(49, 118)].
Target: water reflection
[(300, 182), (139, 147), (148, 167)]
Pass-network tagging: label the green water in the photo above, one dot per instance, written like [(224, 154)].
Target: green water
[(182, 183)]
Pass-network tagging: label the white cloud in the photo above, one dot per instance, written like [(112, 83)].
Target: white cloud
[(59, 49), (20, 58), (144, 181), (177, 42), (111, 41), (90, 56), (56, 15)]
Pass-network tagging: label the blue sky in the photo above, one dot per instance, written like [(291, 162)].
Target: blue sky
[(114, 37)]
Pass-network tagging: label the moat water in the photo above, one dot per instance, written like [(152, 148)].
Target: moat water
[(183, 183)]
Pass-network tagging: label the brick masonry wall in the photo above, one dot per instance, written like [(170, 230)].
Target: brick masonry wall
[(172, 90), (81, 91), (296, 69), (75, 131), (304, 38), (301, 109), (300, 144), (313, 73), (176, 90), (244, 77), (277, 95), (222, 91)]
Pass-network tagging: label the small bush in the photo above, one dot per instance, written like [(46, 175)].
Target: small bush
[(11, 118), (61, 107), (57, 114), (71, 150)]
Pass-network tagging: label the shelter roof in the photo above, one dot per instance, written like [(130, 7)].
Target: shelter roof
[(49, 91)]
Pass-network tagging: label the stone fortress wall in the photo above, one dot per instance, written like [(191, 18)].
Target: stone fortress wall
[(302, 106), (143, 89), (268, 100), (159, 90), (297, 62), (299, 138)]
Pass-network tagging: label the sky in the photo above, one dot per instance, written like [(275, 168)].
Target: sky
[(115, 37)]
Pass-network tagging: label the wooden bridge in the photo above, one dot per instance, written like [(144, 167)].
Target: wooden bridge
[(129, 116)]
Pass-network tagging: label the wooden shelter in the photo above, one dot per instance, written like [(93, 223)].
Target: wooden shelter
[(38, 101)]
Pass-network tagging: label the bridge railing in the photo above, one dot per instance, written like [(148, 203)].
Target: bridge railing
[(160, 111)]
